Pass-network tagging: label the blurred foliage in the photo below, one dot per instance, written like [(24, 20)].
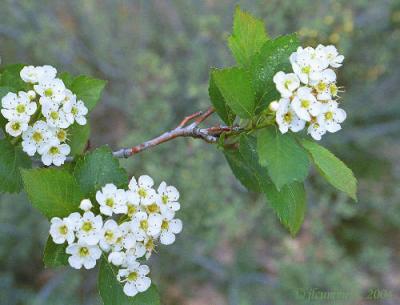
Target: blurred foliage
[(156, 56)]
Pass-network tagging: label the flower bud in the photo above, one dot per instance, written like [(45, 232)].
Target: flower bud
[(31, 94), (86, 205), (273, 106)]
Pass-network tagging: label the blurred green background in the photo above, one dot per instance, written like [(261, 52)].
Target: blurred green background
[(156, 55)]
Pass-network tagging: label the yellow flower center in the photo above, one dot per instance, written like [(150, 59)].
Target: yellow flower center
[(287, 83), (131, 210), (110, 202), (63, 230), (16, 126), (334, 90), (165, 225), (87, 226), (149, 245), (84, 251), (37, 136), (109, 235), (142, 192), (321, 87), (153, 208), (305, 103), (164, 199), (20, 108), (306, 69), (62, 135), (54, 115), (329, 116), (54, 150), (48, 92), (132, 276), (74, 110), (144, 225), (287, 117)]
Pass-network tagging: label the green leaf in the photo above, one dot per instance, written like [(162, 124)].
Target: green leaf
[(285, 159), (272, 58), (219, 102), (247, 37), (111, 290), (12, 158), (10, 78), (53, 191), (332, 168), (98, 168), (54, 254), (236, 88), (78, 137), (67, 78), (289, 204), (88, 89)]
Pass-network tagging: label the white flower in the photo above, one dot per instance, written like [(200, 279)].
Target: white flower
[(169, 227), (331, 116), (168, 198), (62, 230), (316, 130), (31, 94), (143, 224), (324, 84), (109, 234), (89, 228), (18, 107), (35, 138), (55, 117), (335, 60), (59, 133), (132, 203), (135, 278), (287, 118), (286, 83), (143, 187), (305, 104), (51, 89), (111, 200), (135, 252), (117, 258), (83, 254), (15, 127), (75, 111), (30, 74), (86, 205), (53, 152), (46, 73)]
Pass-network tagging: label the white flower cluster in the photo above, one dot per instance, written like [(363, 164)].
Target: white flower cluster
[(308, 95), (146, 215), (42, 114)]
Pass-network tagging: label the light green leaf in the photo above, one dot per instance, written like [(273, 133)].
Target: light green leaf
[(98, 168), (67, 78), (247, 37), (53, 191), (111, 290), (332, 168), (88, 89), (289, 204), (54, 254), (272, 58), (285, 160), (237, 90), (78, 137), (10, 78), (12, 158), (219, 102)]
